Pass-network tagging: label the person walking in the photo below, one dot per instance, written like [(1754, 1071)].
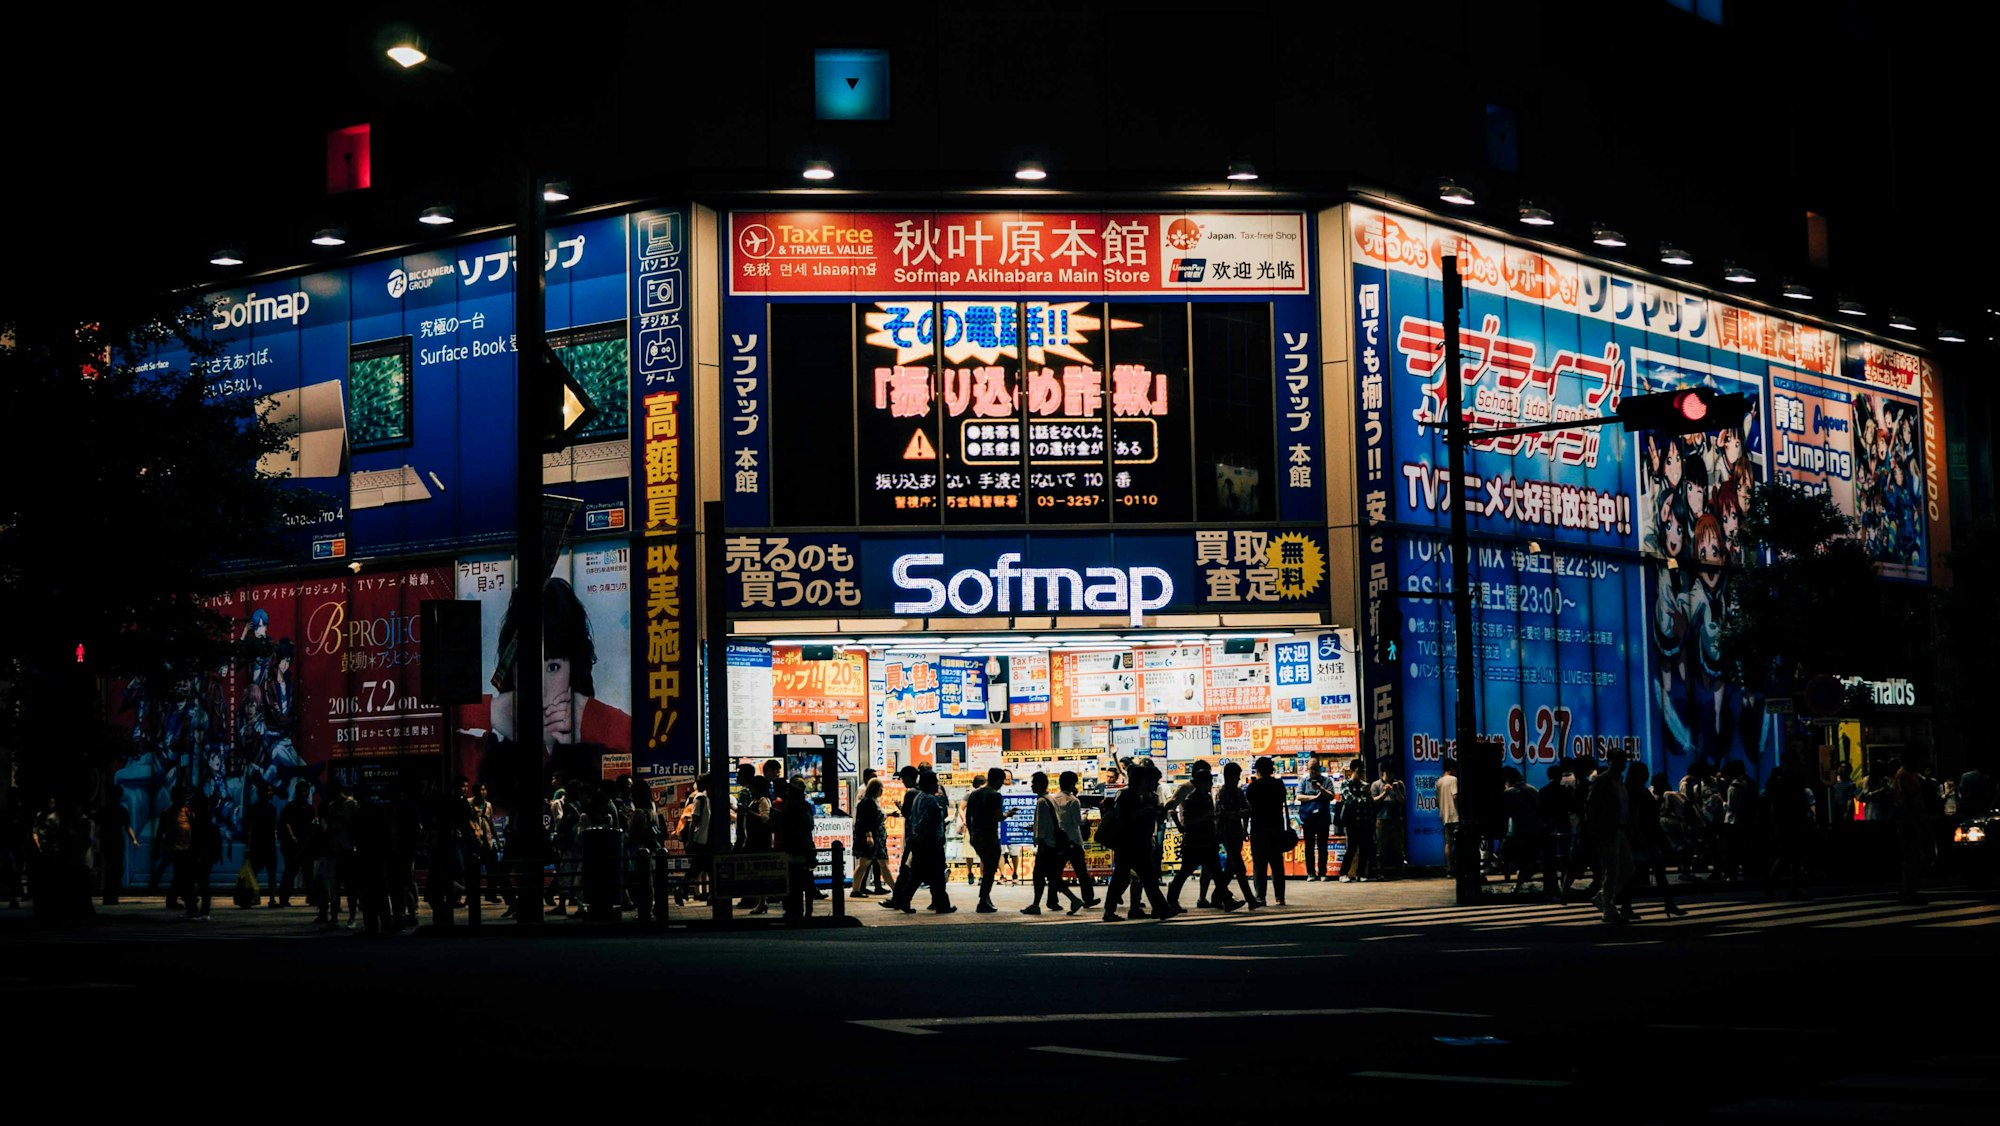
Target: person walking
[(1129, 821), (336, 851), (1522, 851), (1914, 843), (1357, 812), (1608, 807), (1232, 828), (1389, 796), (1052, 848), (1198, 845), (1316, 796), (923, 850), (205, 853), (114, 831), (1266, 796), (1068, 809), (1552, 810), (871, 841), (1648, 841), (1447, 799), (793, 819), (983, 814), (175, 837), (1788, 818), (294, 827), (260, 841)]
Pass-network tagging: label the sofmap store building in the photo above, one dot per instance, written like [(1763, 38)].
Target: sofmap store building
[(1027, 489)]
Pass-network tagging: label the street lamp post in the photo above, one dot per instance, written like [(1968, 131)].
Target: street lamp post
[(530, 295), (1465, 850), (526, 843)]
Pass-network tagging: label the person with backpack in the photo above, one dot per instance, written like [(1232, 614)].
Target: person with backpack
[(983, 813), (1052, 850), (693, 831), (923, 850), (1127, 827), (1232, 828)]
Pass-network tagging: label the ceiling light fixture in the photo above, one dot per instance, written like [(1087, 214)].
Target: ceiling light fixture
[(407, 54), (1453, 192), (330, 236), (226, 257), (1605, 236), (1742, 275), (438, 215), (1795, 291), (1242, 170), (1031, 170), (1674, 256), (1950, 335), (818, 170), (556, 191), (1898, 321), (1536, 216)]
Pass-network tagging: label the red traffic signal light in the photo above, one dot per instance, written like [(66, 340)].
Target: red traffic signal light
[(1684, 411)]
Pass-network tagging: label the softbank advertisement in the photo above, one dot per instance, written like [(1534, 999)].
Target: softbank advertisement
[(1609, 636)]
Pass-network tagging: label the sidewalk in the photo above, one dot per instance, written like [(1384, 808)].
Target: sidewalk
[(1300, 897)]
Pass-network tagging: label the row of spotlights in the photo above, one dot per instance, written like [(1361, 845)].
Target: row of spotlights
[(1452, 192), (436, 215), (1031, 171)]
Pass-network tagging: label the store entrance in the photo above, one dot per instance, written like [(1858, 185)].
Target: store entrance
[(844, 713)]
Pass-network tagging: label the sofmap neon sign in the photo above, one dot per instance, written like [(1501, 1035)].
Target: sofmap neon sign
[(973, 591)]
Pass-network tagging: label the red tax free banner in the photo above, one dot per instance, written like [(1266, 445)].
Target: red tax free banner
[(809, 253)]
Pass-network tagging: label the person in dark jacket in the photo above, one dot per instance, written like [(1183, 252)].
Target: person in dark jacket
[(204, 855), (923, 850), (1267, 823), (792, 820), (871, 840), (1552, 809), (1357, 812), (983, 813), (1198, 844), (260, 839), (1232, 827), (1134, 863)]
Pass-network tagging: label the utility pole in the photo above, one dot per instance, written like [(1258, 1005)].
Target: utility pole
[(530, 568), (1465, 850)]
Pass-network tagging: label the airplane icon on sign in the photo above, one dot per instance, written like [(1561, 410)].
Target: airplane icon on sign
[(756, 240)]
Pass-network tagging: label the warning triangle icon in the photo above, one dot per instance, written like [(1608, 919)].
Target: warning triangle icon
[(919, 449), (852, 83)]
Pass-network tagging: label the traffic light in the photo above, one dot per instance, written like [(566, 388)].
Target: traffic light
[(1387, 648), (1685, 411)]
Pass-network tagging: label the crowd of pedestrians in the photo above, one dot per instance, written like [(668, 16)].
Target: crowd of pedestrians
[(1611, 820)]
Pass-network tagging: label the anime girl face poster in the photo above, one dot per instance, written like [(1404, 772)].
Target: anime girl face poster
[(1695, 490)]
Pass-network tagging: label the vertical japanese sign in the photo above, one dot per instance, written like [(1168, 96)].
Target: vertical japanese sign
[(962, 689), (665, 681), (746, 468)]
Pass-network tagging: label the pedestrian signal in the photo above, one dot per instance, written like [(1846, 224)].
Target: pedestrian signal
[(1686, 411)]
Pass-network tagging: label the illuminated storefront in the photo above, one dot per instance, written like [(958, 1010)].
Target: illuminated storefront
[(1037, 491)]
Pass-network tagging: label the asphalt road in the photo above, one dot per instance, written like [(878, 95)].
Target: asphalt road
[(1846, 1006)]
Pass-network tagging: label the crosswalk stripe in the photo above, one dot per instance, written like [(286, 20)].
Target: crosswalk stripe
[(1925, 917), (1762, 914), (1766, 924), (1985, 922)]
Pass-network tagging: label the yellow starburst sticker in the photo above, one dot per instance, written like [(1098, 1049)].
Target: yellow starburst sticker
[(1300, 564)]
